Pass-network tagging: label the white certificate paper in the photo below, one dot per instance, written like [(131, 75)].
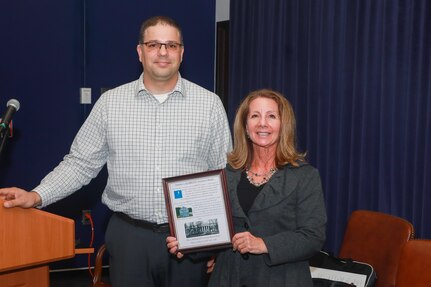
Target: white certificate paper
[(199, 210)]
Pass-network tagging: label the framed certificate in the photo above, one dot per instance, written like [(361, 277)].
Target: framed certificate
[(199, 210)]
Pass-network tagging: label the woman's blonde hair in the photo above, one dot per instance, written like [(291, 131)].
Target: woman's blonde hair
[(286, 153)]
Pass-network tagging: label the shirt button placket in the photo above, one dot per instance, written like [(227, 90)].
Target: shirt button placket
[(158, 157)]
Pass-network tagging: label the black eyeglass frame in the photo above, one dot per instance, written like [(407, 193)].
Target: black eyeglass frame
[(159, 45)]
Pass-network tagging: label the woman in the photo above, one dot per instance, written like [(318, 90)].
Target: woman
[(276, 200)]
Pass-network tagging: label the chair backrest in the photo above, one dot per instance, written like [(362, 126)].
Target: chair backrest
[(377, 239), (97, 275), (415, 264)]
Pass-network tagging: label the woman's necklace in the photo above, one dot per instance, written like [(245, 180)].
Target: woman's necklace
[(265, 176)]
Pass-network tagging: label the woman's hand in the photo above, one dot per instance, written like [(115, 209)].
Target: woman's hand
[(245, 242), (172, 244)]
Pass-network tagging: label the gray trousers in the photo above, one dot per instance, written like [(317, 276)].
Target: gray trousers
[(139, 257)]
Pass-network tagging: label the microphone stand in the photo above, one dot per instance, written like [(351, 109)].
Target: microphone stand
[(4, 133)]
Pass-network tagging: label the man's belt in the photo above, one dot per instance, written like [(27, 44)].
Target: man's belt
[(159, 228)]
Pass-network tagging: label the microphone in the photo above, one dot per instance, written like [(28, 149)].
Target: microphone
[(12, 107)]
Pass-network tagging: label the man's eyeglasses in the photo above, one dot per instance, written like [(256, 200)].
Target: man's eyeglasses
[(170, 46)]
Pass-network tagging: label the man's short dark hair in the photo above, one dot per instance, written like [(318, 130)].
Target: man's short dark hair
[(153, 21)]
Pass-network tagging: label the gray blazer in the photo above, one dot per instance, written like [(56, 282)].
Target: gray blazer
[(289, 215)]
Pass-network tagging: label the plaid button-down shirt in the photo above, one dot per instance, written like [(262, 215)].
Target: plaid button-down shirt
[(142, 141)]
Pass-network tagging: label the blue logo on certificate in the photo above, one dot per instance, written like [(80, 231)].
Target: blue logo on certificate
[(178, 194)]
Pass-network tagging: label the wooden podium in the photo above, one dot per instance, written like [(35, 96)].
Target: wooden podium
[(29, 240)]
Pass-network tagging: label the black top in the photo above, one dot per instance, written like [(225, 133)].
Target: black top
[(247, 192)]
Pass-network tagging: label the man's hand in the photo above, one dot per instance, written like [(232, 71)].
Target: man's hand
[(211, 265), (14, 196)]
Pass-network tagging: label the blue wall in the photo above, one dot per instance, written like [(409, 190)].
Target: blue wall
[(49, 49)]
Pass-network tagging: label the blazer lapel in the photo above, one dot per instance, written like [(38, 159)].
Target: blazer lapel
[(279, 187)]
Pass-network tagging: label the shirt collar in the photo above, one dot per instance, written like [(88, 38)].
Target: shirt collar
[(178, 89)]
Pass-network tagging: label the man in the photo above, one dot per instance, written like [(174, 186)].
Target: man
[(158, 126)]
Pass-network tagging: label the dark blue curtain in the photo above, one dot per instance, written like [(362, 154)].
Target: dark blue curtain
[(358, 75)]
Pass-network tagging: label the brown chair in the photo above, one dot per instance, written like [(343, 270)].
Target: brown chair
[(97, 275), (377, 239), (415, 264)]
